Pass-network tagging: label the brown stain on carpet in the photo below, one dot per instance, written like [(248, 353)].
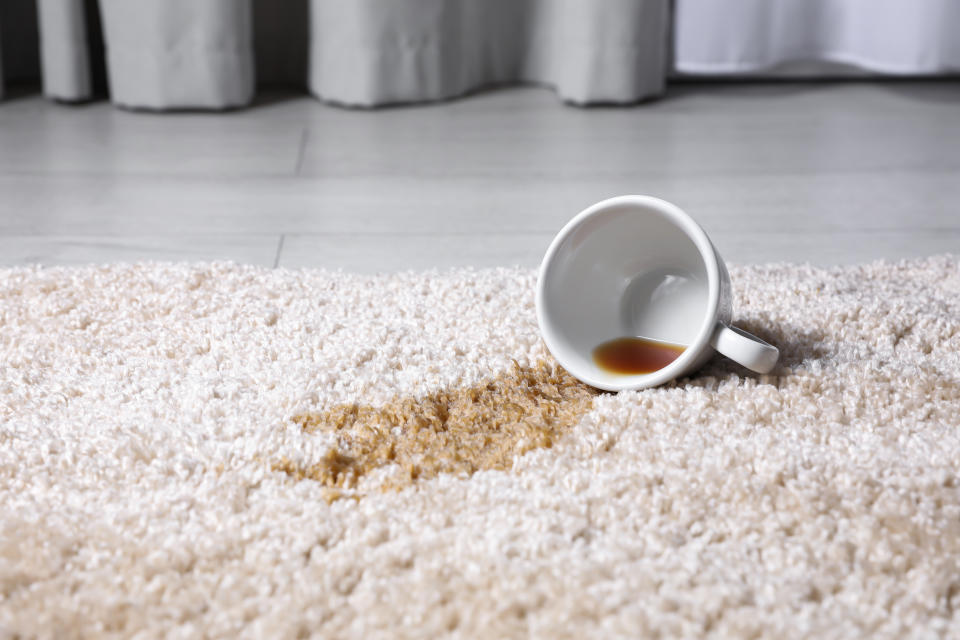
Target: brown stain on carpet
[(457, 431)]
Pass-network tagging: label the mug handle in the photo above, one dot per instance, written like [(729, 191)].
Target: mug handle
[(744, 348)]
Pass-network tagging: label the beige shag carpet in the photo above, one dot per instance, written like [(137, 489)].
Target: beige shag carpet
[(227, 451)]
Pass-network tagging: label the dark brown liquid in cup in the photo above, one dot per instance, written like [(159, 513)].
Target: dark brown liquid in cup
[(635, 355)]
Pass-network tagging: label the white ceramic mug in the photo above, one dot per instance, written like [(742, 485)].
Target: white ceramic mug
[(639, 266)]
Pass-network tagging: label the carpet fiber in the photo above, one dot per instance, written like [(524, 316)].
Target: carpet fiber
[(189, 450)]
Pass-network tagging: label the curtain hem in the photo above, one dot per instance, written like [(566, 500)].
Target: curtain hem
[(380, 75), (841, 58)]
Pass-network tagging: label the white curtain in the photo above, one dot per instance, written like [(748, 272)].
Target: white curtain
[(887, 36), (163, 54)]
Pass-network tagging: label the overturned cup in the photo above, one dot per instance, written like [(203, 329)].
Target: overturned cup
[(632, 293)]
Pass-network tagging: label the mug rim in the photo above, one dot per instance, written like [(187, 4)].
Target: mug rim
[(707, 253)]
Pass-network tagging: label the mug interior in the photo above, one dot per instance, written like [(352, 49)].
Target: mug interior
[(628, 268)]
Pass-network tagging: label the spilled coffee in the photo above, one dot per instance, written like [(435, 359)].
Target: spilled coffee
[(635, 355)]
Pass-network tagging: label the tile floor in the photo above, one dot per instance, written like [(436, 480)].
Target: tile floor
[(836, 172)]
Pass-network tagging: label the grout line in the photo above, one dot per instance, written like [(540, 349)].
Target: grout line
[(276, 259), (301, 151)]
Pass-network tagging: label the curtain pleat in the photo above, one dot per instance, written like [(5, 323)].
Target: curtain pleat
[(64, 50), (612, 51), (367, 52)]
